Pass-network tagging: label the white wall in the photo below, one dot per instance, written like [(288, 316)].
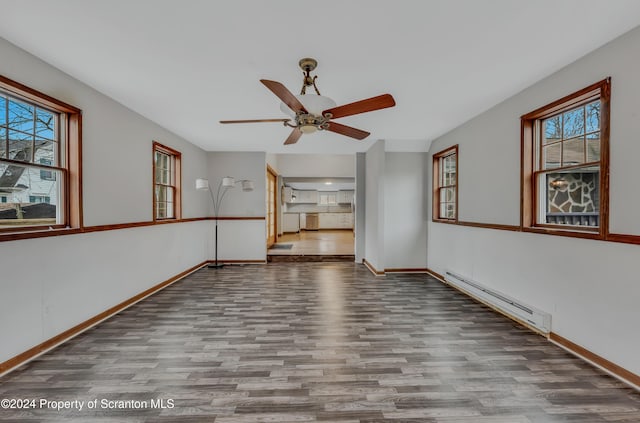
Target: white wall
[(116, 145), (360, 206), (242, 239), (405, 211), (590, 287), (240, 165), (316, 165), (374, 205), (395, 216), (51, 284)]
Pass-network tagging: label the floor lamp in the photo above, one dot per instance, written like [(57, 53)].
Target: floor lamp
[(225, 184)]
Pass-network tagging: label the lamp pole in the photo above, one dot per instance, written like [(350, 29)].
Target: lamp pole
[(224, 185), (217, 201)]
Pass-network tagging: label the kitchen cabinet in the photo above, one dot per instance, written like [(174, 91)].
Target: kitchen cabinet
[(291, 222), (345, 220), (328, 220), (345, 197), (335, 220), (306, 197), (287, 195)]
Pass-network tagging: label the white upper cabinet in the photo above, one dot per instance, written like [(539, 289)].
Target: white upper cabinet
[(305, 197), (287, 195)]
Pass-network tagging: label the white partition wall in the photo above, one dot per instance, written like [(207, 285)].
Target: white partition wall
[(395, 229), (405, 211), (243, 239)]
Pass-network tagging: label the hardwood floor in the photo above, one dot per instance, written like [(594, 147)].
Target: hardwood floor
[(305, 342), (324, 242)]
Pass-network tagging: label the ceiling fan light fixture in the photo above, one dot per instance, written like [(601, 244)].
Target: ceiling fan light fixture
[(308, 129), (315, 104)]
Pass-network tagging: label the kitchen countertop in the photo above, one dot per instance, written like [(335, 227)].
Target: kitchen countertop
[(319, 212)]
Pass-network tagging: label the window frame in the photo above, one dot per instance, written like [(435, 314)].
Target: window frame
[(437, 187), (175, 183), (530, 147), (69, 151)]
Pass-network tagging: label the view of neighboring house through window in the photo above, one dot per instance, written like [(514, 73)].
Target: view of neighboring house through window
[(46, 175), (566, 144), (30, 165), (166, 170), (445, 185)]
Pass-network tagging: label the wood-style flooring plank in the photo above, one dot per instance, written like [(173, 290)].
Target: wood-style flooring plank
[(315, 342)]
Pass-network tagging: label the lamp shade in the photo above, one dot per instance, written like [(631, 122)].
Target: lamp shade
[(247, 185), (228, 181), (202, 184)]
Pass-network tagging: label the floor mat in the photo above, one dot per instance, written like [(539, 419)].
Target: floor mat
[(281, 247)]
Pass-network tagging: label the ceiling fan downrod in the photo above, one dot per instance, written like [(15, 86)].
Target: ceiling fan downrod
[(307, 65)]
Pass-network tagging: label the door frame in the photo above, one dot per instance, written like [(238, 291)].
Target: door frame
[(271, 173)]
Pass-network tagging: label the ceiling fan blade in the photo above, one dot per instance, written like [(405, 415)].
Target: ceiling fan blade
[(255, 120), (347, 130), (294, 136), (374, 103), (285, 95)]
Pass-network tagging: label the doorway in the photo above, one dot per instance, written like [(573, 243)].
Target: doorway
[(317, 220)]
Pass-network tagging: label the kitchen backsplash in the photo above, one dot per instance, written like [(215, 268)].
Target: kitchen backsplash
[(313, 208)]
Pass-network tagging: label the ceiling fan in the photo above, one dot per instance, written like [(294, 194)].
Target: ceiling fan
[(314, 112)]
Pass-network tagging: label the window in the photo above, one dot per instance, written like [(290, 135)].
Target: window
[(3, 198), (565, 149), (39, 160), (166, 186), (39, 199), (445, 185), (328, 199), (46, 175)]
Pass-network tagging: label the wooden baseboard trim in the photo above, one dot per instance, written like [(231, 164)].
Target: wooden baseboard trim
[(51, 343), (406, 270), (238, 261), (435, 275), (606, 365), (371, 268)]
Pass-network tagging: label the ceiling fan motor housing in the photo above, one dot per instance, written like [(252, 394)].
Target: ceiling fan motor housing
[(308, 64)]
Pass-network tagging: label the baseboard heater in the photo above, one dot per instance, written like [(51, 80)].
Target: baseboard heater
[(539, 320)]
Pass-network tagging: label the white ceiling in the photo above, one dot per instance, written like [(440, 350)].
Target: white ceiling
[(186, 64)]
